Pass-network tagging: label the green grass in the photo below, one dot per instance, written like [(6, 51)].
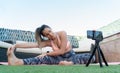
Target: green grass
[(60, 69)]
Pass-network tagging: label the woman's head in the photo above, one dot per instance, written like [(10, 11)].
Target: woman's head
[(43, 31)]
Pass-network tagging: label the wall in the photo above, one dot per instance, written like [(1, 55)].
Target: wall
[(111, 48)]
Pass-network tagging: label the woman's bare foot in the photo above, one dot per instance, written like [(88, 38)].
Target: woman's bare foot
[(66, 63), (12, 60)]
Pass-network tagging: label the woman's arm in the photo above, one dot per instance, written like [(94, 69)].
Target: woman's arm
[(62, 49), (23, 45), (55, 53), (30, 45), (26, 45)]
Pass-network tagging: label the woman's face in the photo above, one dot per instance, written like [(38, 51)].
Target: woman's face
[(47, 32)]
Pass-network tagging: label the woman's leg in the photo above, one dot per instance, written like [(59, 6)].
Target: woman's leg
[(48, 60), (12, 60), (78, 59), (83, 58)]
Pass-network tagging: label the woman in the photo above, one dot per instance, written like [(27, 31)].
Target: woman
[(57, 40), (61, 54)]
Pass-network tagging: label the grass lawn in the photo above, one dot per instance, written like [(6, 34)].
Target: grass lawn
[(60, 69)]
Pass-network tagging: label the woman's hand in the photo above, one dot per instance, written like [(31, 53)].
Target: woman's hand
[(10, 48), (42, 55)]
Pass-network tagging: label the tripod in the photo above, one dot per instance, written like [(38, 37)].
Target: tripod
[(100, 54)]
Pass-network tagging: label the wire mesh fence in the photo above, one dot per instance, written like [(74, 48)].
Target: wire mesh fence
[(14, 35), (28, 36)]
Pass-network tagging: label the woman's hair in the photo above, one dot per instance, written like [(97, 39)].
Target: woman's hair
[(39, 34)]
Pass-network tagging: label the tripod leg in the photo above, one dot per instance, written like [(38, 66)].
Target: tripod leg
[(103, 57), (91, 56), (99, 56)]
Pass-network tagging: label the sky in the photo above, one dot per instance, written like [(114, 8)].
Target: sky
[(73, 16)]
